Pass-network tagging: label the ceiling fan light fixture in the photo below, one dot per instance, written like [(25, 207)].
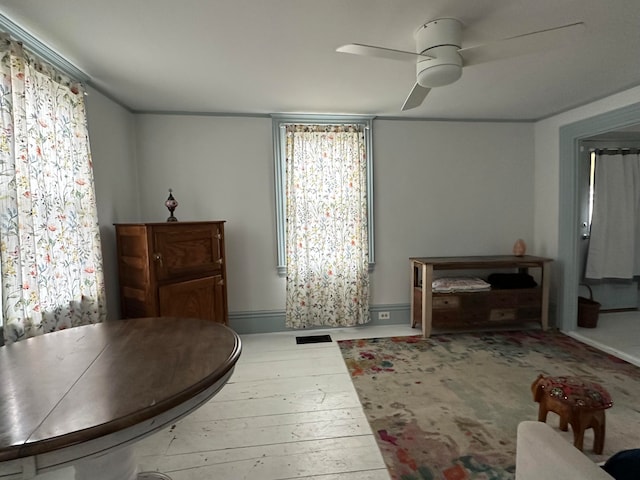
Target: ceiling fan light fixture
[(444, 69), (439, 75)]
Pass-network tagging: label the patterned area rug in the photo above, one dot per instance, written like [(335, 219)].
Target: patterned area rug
[(448, 407)]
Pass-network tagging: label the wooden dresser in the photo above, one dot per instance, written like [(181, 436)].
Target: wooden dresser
[(478, 309), (172, 269)]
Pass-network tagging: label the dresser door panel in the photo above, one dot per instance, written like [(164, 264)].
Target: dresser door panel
[(220, 300), (193, 298), (186, 252)]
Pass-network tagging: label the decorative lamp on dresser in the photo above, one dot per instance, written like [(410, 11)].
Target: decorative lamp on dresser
[(173, 269)]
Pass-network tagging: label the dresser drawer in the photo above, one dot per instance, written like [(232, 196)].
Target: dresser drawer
[(530, 313), (445, 317), (502, 314), (475, 300), (474, 316), (531, 296), (445, 301), (503, 299)]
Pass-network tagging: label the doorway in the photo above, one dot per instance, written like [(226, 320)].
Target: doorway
[(570, 137), (596, 153)]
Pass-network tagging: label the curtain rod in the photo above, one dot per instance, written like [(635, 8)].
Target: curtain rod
[(615, 151)]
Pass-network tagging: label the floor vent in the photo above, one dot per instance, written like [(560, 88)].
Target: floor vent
[(313, 339)]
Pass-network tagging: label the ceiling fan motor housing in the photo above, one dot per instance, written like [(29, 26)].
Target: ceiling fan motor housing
[(441, 40)]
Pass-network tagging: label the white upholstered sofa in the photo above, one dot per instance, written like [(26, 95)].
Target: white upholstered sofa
[(543, 454)]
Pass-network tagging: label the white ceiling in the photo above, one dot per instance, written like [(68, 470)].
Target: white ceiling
[(278, 56)]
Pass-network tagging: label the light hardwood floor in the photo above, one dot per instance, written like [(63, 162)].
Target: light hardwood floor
[(289, 412), (616, 333)]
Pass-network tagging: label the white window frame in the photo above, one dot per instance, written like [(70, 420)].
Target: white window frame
[(279, 123)]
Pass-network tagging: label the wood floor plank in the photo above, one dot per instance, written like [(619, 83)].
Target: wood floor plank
[(277, 405), (238, 432), (226, 424), (288, 368), (379, 474), (266, 388), (272, 462), (295, 352), (192, 437)]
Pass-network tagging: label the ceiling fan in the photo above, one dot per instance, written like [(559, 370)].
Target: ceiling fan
[(439, 55)]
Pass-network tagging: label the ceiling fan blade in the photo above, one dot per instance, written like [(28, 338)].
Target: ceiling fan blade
[(380, 52), (547, 39), (416, 97)]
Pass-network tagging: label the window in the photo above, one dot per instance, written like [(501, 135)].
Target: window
[(323, 182), (50, 254), (280, 122)]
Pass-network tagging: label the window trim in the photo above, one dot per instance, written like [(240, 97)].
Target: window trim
[(279, 121)]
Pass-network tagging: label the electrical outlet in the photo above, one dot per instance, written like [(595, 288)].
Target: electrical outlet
[(383, 315)]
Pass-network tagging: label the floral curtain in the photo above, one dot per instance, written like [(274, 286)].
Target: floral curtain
[(50, 254), (327, 239)]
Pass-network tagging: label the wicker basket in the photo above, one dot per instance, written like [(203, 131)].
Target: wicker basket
[(588, 310)]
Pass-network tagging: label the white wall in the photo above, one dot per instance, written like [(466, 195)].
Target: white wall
[(112, 136), (441, 188), (447, 188), (220, 168)]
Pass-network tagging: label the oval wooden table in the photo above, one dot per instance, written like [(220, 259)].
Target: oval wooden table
[(85, 395)]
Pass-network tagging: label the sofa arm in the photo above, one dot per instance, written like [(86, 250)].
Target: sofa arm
[(542, 453)]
